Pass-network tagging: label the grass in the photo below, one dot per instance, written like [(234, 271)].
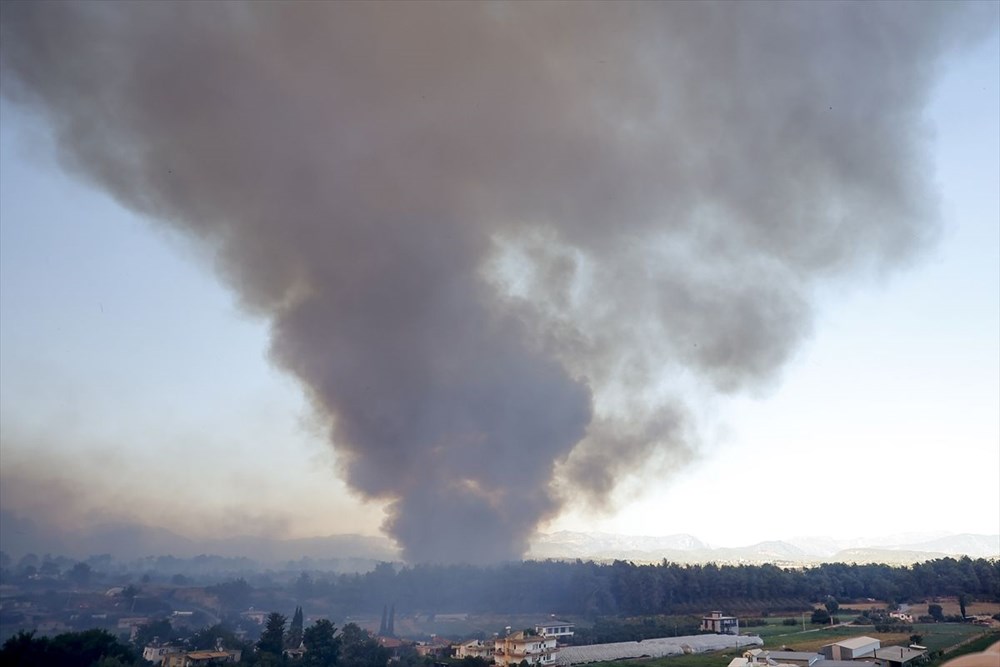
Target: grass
[(977, 645), (935, 636)]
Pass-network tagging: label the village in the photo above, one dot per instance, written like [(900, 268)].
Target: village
[(546, 643)]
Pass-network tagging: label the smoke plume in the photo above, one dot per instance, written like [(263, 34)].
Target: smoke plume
[(497, 241)]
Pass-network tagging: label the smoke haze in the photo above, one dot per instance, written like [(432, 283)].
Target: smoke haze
[(504, 245)]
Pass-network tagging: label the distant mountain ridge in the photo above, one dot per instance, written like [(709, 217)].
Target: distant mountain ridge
[(130, 541), (684, 548)]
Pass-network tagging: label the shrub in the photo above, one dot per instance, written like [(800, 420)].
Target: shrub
[(820, 616)]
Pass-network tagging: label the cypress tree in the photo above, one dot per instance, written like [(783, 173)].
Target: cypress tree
[(294, 638)]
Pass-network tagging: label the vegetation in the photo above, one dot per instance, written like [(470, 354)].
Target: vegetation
[(607, 630), (90, 648), (977, 645), (622, 588)]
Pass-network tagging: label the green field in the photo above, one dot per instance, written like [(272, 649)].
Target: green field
[(935, 636), (975, 646)]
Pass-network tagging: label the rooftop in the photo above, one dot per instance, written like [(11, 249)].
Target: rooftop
[(898, 653), (855, 642)]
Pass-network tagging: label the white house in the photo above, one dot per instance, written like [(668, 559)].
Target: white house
[(718, 623), (555, 628), (475, 648)]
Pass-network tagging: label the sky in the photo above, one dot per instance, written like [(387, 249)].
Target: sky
[(138, 384)]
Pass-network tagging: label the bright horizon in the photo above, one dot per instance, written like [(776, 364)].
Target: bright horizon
[(135, 387)]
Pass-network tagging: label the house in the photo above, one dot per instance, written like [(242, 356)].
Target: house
[(555, 628), (198, 658), (258, 617), (156, 651), (520, 647), (718, 623), (851, 649), (436, 647), (475, 648)]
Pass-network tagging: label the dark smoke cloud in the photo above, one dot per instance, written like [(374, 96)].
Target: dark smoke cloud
[(485, 234)]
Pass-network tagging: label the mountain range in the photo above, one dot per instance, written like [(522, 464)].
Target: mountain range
[(903, 548), (130, 541)]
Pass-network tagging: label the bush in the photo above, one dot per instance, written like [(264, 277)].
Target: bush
[(790, 621), (820, 616)]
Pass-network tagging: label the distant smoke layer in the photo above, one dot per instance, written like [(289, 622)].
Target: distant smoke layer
[(488, 235)]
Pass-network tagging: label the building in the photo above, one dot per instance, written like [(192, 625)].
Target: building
[(797, 658), (851, 649), (898, 656), (198, 658), (718, 623), (436, 647), (555, 628), (254, 616), (519, 647), (475, 648), (156, 651)]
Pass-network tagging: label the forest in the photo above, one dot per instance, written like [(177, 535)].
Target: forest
[(592, 589)]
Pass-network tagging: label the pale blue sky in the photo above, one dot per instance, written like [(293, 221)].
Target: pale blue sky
[(131, 380)]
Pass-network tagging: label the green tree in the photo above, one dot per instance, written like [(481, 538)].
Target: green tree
[(233, 594), (148, 632), (208, 638), (272, 640), (820, 616), (831, 605), (130, 593), (322, 647), (294, 637), (936, 612), (71, 649), (961, 604), (359, 649), (79, 574)]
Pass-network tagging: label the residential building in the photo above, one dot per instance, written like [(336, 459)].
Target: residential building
[(475, 648), (156, 651), (530, 648), (555, 628), (199, 658), (720, 624), (436, 647)]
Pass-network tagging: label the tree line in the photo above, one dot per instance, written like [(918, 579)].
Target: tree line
[(594, 589), (319, 645)]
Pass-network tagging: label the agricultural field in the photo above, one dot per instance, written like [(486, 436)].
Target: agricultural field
[(950, 607), (936, 636), (977, 645)]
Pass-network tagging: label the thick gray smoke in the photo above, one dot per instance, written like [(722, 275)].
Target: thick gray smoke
[(490, 236)]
